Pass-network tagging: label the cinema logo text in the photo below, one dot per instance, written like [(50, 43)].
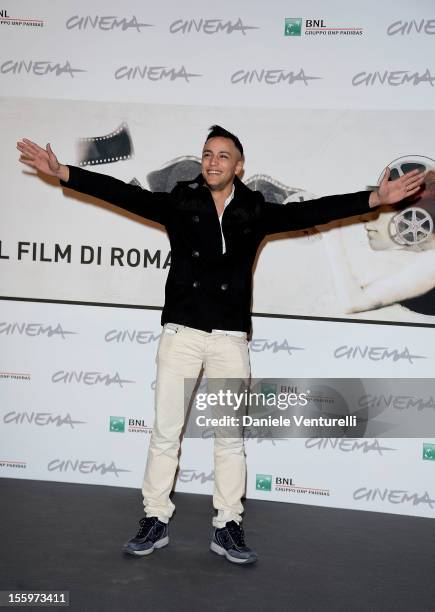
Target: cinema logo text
[(38, 68), (40, 418), (252, 433), (89, 378), (209, 26), (271, 76), (249, 435), (375, 353), (186, 475), (394, 496), (105, 23), (393, 78), (347, 445), (131, 336), (259, 345), (404, 28), (154, 73), (84, 467), (6, 19), (397, 402), (33, 329)]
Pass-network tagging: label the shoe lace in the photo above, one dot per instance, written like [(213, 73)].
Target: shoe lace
[(145, 525), (237, 533)]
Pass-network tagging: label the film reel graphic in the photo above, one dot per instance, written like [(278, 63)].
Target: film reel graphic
[(411, 226), (276, 192), (112, 147), (183, 168)]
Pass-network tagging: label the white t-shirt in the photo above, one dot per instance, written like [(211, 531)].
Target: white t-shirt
[(227, 201)]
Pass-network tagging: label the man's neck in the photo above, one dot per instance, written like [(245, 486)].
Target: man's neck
[(220, 196)]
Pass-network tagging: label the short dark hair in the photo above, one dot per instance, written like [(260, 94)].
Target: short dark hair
[(217, 130)]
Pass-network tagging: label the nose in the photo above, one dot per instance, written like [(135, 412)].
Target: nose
[(213, 160)]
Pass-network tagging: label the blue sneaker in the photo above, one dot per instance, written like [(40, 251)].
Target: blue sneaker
[(229, 541), (152, 534)]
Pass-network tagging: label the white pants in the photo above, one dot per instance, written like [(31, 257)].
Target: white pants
[(181, 354)]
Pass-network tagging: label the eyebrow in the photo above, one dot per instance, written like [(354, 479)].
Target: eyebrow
[(210, 151)]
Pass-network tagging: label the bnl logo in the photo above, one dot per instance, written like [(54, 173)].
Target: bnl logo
[(293, 25), (268, 389), (263, 482), (428, 451), (117, 424)]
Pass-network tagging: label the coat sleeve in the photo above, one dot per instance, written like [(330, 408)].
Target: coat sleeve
[(295, 216), (153, 206)]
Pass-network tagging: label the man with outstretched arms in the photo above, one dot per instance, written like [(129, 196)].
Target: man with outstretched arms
[(215, 225)]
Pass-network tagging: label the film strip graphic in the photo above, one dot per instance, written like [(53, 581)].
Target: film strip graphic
[(183, 168), (276, 192), (113, 147)]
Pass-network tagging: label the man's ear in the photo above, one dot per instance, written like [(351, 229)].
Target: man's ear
[(239, 167)]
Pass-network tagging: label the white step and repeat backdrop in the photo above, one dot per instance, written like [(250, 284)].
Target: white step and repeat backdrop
[(323, 99)]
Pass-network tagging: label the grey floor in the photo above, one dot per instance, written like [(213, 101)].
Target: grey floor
[(58, 536)]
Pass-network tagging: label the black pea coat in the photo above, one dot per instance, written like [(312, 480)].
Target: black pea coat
[(206, 289)]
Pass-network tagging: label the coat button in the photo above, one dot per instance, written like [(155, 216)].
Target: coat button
[(195, 253), (195, 219), (196, 284), (224, 286)]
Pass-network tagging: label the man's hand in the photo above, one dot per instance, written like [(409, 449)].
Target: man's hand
[(43, 160), (391, 192)]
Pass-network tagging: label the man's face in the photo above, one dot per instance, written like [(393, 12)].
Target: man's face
[(221, 161)]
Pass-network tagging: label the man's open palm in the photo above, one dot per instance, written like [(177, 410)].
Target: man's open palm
[(38, 158), (407, 185)]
